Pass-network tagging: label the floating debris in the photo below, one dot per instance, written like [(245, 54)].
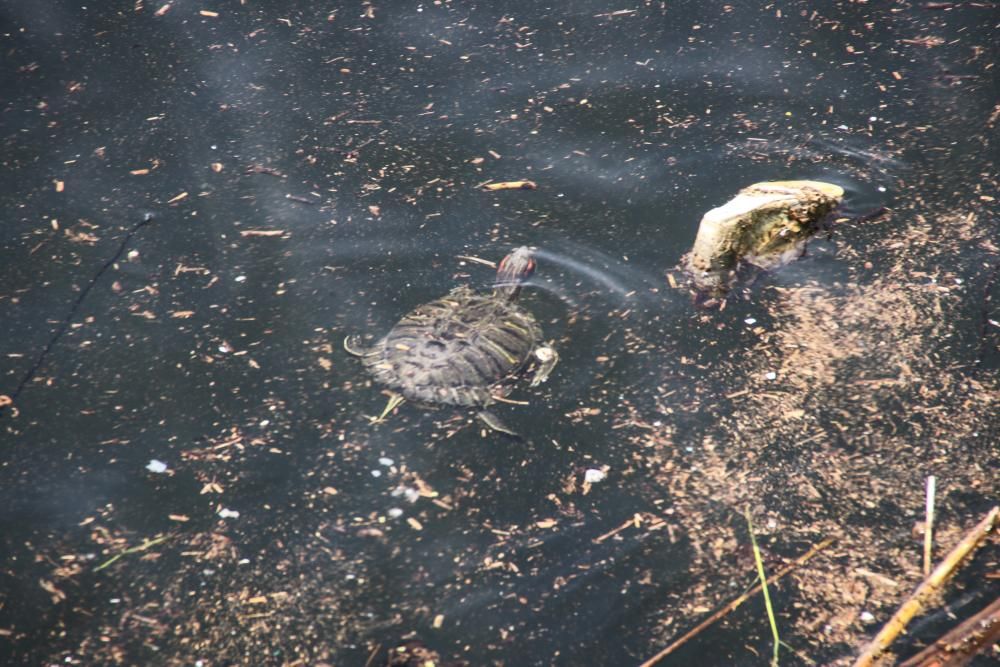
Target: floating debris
[(766, 225), (511, 185)]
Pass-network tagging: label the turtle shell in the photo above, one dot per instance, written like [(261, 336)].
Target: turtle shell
[(455, 350)]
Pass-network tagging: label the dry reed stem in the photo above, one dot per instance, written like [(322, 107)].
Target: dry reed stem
[(931, 585)]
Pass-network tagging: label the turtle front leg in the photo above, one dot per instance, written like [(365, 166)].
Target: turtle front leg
[(394, 402), (352, 345), (547, 359)]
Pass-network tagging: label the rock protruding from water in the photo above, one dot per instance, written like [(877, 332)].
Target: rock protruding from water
[(766, 225)]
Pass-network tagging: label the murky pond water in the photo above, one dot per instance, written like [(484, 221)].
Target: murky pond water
[(314, 170)]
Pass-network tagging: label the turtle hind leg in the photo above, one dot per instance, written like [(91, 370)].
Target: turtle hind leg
[(494, 423), (394, 402)]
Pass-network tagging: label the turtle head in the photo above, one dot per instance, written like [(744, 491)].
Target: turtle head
[(514, 269)]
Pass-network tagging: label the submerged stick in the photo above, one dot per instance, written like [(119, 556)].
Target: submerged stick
[(735, 603), (926, 590), (961, 644)]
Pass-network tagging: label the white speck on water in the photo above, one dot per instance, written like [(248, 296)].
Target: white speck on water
[(412, 495), (872, 119), (657, 423), (156, 466), (395, 512), (751, 320), (958, 281), (770, 375), (226, 513), (115, 600), (385, 461), (593, 476), (243, 561), (225, 349), (264, 423), (881, 188), (689, 450), (843, 127), (376, 473), (240, 279), (867, 617)]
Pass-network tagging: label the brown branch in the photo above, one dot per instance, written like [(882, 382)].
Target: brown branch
[(916, 603), (734, 604), (961, 644)]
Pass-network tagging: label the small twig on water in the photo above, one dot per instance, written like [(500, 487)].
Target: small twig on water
[(636, 521), (926, 590), (929, 525), (734, 604), (374, 653), (142, 547), (762, 577), (477, 260)]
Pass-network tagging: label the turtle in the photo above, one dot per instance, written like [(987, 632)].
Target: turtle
[(464, 349)]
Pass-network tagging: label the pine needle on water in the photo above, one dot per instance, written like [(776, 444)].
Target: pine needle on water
[(142, 547)]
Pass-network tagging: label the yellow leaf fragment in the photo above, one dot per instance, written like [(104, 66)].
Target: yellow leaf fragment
[(414, 524), (60, 185), (511, 185), (179, 197)]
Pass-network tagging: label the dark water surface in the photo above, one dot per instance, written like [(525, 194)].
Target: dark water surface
[(213, 343)]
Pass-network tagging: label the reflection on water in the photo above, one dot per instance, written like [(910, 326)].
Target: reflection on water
[(820, 395)]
